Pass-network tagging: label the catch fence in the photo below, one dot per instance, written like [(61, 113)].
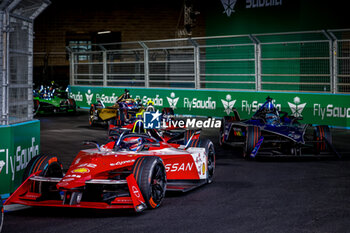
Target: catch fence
[(308, 61), (16, 48)]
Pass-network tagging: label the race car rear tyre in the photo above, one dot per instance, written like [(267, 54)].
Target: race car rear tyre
[(150, 175), (210, 151), (322, 133), (252, 137), (92, 115)]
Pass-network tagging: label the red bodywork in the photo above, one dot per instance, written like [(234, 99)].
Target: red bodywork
[(96, 166)]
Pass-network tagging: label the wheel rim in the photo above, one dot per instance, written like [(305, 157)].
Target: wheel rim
[(211, 163), (158, 183)]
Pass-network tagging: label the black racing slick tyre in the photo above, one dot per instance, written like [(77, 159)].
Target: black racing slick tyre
[(321, 134), (36, 107), (210, 151), (150, 175), (1, 214), (252, 137), (224, 121), (48, 164)]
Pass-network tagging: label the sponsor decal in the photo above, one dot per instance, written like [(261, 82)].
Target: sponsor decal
[(77, 97), (176, 167), (107, 99), (262, 3), (199, 104), (330, 111), (255, 105), (172, 100), (157, 101), (81, 170), (73, 175), (296, 108), (228, 6), (88, 96), (203, 168), (20, 160), (91, 165), (119, 163), (152, 120), (228, 104), (136, 191)]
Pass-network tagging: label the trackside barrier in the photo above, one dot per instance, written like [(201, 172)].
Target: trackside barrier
[(329, 109), (19, 143)]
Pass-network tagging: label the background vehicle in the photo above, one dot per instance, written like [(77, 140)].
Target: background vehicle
[(120, 113), (132, 171), (274, 133), (52, 100)]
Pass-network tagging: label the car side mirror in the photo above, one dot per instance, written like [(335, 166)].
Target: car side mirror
[(88, 142)]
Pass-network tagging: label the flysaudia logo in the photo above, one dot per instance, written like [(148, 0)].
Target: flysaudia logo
[(229, 6), (228, 104), (296, 107), (172, 100)]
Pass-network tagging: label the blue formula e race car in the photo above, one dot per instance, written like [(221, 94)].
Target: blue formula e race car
[(275, 133)]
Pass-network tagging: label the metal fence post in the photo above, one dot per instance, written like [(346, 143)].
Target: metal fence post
[(72, 73), (146, 63), (257, 56), (335, 66), (30, 71), (5, 68), (334, 54), (332, 61), (196, 59), (104, 57)]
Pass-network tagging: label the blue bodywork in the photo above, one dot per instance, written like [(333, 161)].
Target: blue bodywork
[(270, 120)]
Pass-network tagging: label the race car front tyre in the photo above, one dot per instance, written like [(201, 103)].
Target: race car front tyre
[(2, 214), (48, 164), (210, 151), (252, 137), (150, 175), (321, 134), (36, 107)]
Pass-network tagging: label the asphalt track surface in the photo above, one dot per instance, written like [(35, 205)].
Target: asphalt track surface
[(265, 195)]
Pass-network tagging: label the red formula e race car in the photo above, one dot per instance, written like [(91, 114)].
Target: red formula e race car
[(131, 171)]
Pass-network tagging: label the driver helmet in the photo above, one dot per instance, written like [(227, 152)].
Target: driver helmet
[(126, 94), (271, 118), (135, 144), (269, 107)]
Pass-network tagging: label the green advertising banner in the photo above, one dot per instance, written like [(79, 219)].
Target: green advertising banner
[(19, 143), (328, 109)]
